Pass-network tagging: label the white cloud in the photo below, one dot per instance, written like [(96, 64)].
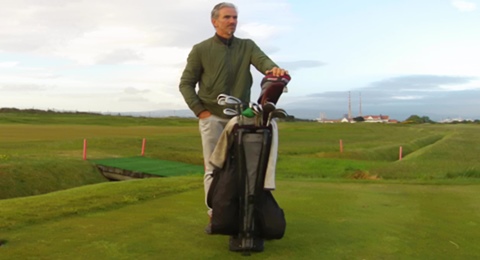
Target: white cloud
[(407, 97), (258, 31), (119, 57), (135, 91), (99, 44), (95, 55), (14, 74), (15, 87), (8, 64), (464, 6), (471, 85)]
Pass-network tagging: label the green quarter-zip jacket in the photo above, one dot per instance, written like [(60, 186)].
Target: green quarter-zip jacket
[(221, 66)]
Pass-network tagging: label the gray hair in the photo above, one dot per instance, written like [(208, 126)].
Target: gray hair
[(216, 9)]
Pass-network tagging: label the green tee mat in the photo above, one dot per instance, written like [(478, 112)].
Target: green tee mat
[(161, 168)]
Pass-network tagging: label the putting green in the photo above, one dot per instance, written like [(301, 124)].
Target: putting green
[(152, 166)]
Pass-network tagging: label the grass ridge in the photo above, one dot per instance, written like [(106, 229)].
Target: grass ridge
[(18, 212)]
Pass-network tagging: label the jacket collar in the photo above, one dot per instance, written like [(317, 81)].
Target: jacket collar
[(225, 41)]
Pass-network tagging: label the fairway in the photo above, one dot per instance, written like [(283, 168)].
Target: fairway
[(324, 221), (361, 202)]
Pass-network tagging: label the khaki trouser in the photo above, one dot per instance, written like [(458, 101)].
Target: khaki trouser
[(210, 130)]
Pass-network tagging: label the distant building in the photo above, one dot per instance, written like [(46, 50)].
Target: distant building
[(325, 120), (376, 119), (347, 120), (379, 119), (369, 119)]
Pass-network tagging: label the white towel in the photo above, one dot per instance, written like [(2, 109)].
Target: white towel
[(219, 155)]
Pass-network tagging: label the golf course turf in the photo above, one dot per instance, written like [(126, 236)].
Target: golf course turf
[(362, 203), (324, 221)]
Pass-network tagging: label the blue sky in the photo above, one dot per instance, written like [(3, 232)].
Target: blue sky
[(404, 56)]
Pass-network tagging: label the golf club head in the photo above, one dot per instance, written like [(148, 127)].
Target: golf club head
[(277, 113), (230, 100), (225, 100), (221, 101), (268, 107), (222, 96), (281, 113), (230, 112), (256, 108)]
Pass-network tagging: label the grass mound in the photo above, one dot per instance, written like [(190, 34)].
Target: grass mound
[(391, 152), (22, 211), (453, 157), (20, 177)]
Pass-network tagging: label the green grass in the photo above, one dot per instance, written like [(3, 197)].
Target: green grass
[(362, 203), (430, 152), (151, 166), (38, 158), (18, 212), (37, 117), (452, 157), (42, 175), (133, 220)]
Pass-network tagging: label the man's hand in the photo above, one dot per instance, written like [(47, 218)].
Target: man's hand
[(204, 114), (277, 71)]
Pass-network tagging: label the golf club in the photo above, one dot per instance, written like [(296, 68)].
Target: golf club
[(267, 108), (257, 110), (277, 113), (226, 100), (230, 112)]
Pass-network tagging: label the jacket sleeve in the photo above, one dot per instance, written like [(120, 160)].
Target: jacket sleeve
[(190, 78), (260, 60)]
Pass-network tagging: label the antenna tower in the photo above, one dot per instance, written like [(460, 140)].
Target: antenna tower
[(349, 106), (360, 104)]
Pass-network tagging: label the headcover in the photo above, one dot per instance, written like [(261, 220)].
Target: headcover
[(272, 88)]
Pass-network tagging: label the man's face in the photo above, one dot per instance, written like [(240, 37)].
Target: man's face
[(226, 23)]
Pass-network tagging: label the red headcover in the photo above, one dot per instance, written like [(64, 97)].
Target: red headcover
[(272, 88)]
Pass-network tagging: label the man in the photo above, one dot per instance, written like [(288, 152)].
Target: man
[(220, 65)]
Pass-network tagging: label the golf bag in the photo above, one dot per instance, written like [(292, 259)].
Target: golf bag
[(242, 208)]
